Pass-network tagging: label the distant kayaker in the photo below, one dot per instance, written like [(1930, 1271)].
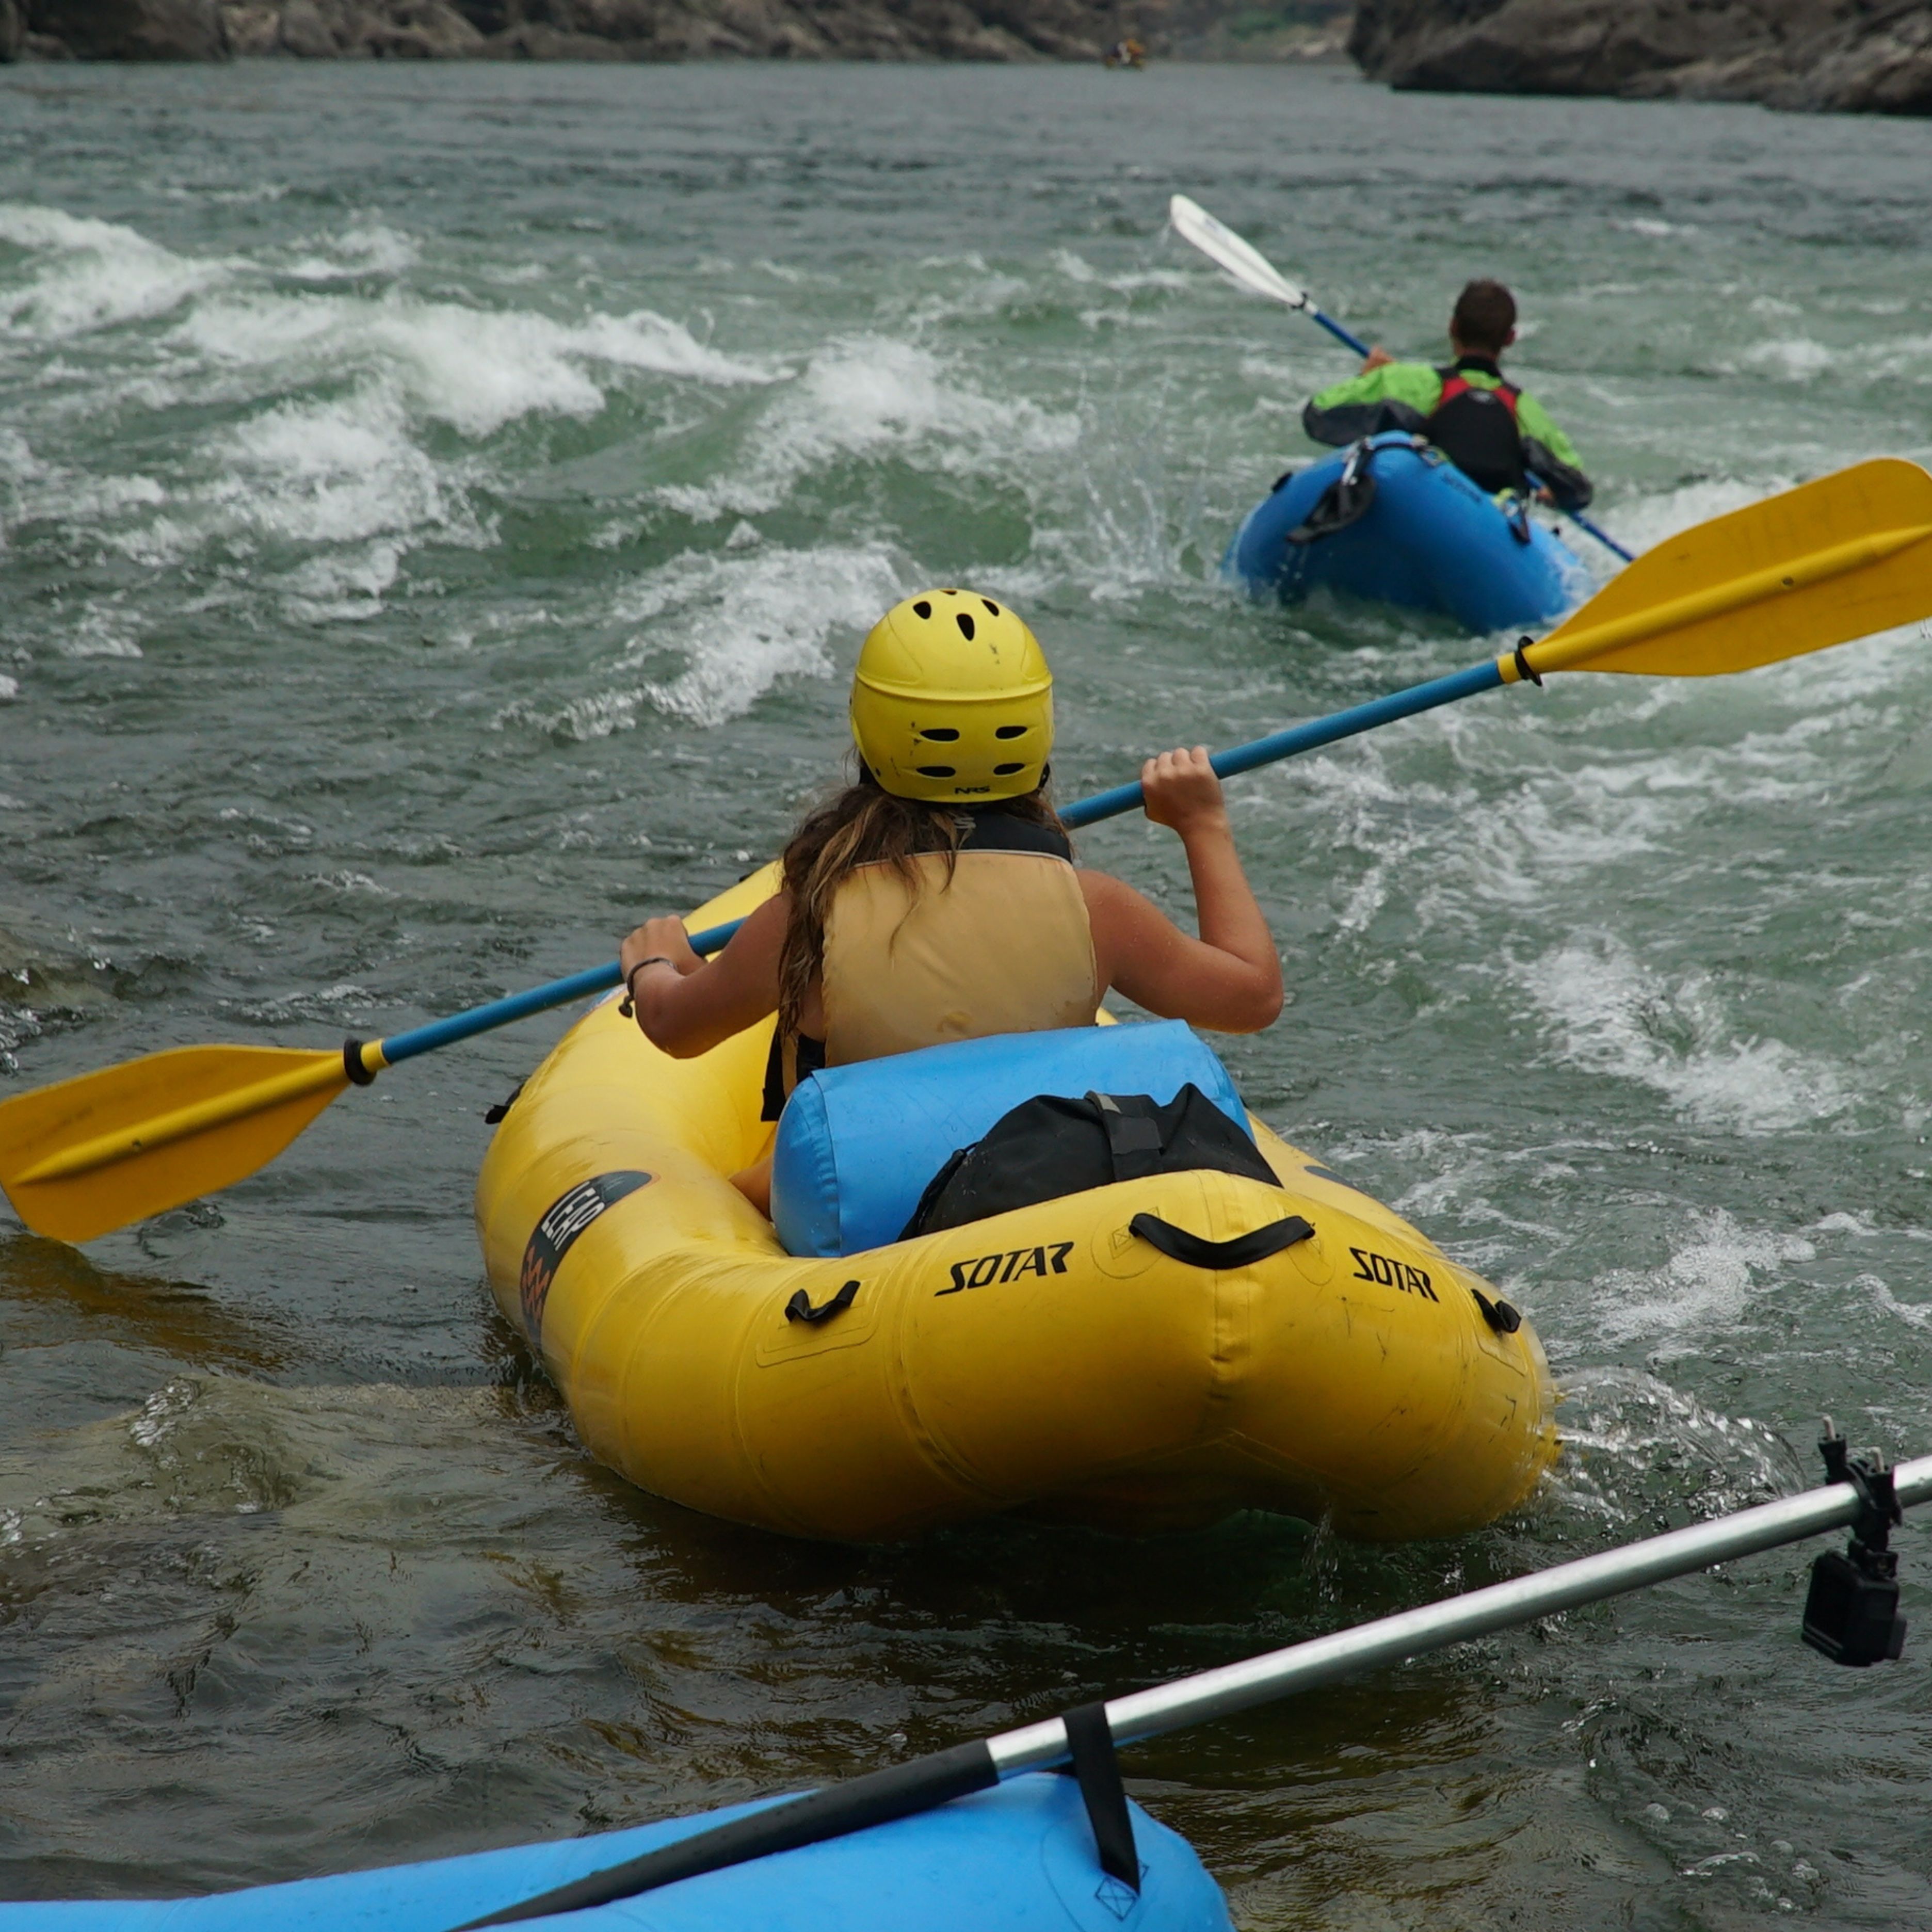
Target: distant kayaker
[(1494, 432), (936, 899)]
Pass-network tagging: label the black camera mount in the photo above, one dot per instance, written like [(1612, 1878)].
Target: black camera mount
[(1851, 1613)]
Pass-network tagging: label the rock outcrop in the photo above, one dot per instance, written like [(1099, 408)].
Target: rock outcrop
[(1847, 55), (982, 30), (126, 30)]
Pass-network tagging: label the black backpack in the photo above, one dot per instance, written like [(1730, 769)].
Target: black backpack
[(1051, 1146)]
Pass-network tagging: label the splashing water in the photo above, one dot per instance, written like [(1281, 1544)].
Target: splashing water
[(438, 511)]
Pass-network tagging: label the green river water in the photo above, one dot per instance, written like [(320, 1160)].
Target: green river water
[(440, 511)]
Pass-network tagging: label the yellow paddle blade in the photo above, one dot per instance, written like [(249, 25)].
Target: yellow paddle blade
[(89, 1155), (1838, 559)]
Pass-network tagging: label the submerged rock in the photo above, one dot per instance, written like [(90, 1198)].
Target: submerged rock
[(1850, 55)]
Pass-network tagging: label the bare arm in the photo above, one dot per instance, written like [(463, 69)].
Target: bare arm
[(687, 1005), (1230, 978)]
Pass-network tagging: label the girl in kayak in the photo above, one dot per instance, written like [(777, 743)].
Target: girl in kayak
[(936, 899)]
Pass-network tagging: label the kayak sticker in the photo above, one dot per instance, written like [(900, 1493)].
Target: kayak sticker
[(554, 1236), (1009, 1266), (1392, 1273)]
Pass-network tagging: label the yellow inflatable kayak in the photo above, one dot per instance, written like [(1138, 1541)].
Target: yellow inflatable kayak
[(1048, 1360)]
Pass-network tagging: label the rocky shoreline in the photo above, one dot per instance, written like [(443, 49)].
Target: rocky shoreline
[(668, 30), (1844, 56), (1871, 56)]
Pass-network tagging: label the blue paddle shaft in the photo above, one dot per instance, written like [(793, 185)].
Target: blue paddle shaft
[(1603, 536), (1309, 737), (1268, 751), (501, 1012), (1340, 333)]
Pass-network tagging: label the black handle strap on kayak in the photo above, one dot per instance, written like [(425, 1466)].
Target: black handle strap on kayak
[(1197, 1251), (1499, 1315), (799, 1308), (1098, 1771), (878, 1798), (1347, 500)]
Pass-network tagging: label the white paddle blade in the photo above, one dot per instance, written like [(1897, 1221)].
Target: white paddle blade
[(1228, 251)]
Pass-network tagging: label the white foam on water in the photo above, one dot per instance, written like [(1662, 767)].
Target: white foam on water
[(17, 460), (1604, 1010), (1908, 357), (1797, 359), (1650, 226), (366, 249), (101, 631), (1642, 521), (337, 472), (476, 370), (227, 197), (1635, 1448), (71, 497), (874, 396), (742, 621), (343, 585), (1555, 830), (10, 690), (94, 274), (1709, 1282), (745, 622)]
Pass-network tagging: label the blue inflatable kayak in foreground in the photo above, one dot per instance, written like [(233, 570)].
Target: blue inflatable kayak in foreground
[(1394, 520), (1021, 1856)]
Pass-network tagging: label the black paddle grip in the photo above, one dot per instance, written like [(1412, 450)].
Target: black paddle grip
[(877, 1799)]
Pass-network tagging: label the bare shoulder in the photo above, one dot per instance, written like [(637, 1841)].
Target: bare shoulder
[(1120, 916), (1105, 894)]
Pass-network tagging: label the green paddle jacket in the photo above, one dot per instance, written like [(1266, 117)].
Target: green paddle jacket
[(1407, 396)]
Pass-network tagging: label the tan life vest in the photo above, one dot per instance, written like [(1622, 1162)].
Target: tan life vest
[(1004, 946)]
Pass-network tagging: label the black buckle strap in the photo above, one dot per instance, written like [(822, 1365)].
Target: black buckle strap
[(1099, 1772), (1196, 1251), (799, 1308), (1133, 1133)]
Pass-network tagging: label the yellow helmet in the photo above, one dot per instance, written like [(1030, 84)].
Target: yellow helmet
[(952, 699)]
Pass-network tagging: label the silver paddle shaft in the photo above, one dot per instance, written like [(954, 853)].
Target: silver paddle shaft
[(1327, 1659)]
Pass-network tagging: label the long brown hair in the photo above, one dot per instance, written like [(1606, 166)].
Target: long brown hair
[(864, 824)]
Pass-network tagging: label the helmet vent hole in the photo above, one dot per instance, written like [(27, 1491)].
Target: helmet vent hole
[(965, 624), (941, 734), (1012, 731), (921, 609), (935, 771), (992, 608), (1007, 771)]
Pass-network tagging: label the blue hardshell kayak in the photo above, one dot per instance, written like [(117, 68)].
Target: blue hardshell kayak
[(1020, 1856), (1430, 540)]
